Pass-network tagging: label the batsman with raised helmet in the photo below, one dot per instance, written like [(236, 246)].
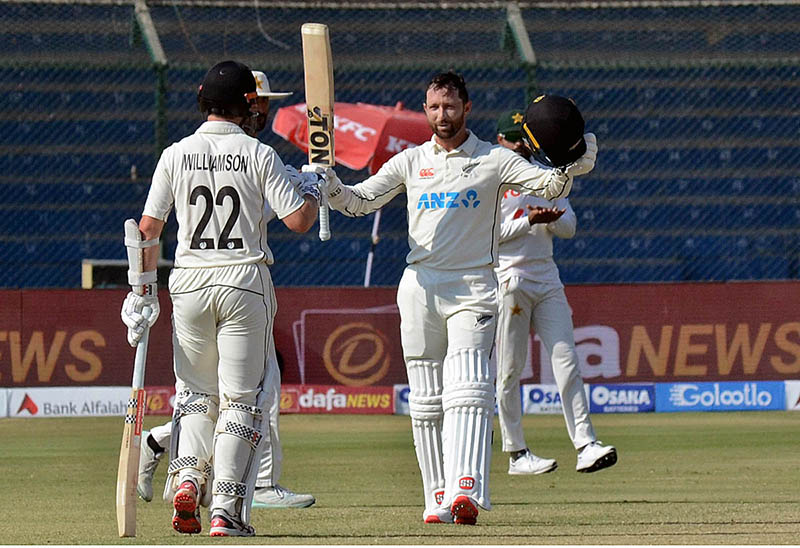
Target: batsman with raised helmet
[(447, 296)]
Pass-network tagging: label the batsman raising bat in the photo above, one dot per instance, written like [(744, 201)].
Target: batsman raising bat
[(223, 303), (447, 296)]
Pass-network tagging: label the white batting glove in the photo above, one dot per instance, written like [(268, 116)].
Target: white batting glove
[(306, 183), (333, 184), (585, 163), (133, 316)]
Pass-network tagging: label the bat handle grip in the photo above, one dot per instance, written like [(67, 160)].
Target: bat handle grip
[(324, 224), (324, 214)]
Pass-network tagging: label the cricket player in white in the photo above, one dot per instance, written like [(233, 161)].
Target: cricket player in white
[(447, 296), (218, 181), (532, 296), (268, 492)]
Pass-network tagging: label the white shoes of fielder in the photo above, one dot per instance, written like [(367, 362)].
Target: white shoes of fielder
[(596, 456), (148, 462), (530, 464), (278, 496)]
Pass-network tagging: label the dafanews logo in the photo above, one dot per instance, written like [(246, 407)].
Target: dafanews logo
[(720, 396), (449, 200), (308, 398), (622, 398)]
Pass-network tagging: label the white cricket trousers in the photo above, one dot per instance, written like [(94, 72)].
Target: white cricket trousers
[(447, 329), (222, 329), (222, 336), (543, 307)]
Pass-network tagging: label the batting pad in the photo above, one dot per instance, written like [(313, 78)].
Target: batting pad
[(425, 407), (237, 451), (468, 402), (191, 443)]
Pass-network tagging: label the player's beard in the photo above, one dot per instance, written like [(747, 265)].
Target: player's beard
[(447, 129)]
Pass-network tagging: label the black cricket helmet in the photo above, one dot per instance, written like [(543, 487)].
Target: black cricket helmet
[(227, 89), (553, 130)]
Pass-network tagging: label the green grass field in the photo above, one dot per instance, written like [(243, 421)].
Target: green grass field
[(693, 478)]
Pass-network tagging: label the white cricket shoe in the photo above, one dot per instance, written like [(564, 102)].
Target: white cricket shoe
[(278, 496), (223, 525), (596, 456), (528, 463), (440, 514), (148, 462)]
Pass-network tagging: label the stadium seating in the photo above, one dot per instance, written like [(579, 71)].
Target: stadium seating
[(696, 178)]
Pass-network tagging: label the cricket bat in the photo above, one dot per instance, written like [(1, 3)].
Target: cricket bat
[(318, 68), (128, 471)]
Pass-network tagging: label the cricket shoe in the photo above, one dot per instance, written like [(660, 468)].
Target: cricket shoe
[(528, 463), (223, 525), (278, 496), (440, 514), (464, 511), (596, 456), (186, 518), (148, 462)]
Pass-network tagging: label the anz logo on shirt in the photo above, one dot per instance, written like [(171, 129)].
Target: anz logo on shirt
[(448, 200)]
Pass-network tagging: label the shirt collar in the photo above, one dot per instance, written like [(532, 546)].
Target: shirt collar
[(219, 127), (467, 147)]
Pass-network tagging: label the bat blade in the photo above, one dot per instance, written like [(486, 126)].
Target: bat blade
[(128, 471), (318, 69)]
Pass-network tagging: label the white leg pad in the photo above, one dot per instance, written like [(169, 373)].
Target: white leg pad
[(425, 406), (468, 402), (237, 451), (191, 442)]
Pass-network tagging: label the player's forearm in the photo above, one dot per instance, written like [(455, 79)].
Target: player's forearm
[(550, 185), (301, 220), (151, 228), (358, 200)]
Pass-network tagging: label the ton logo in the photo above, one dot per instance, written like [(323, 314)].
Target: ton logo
[(466, 483)]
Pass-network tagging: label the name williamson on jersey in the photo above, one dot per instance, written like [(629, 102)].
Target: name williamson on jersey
[(196, 161)]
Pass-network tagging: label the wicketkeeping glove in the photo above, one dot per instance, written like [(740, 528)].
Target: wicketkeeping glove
[(134, 317), (585, 163)]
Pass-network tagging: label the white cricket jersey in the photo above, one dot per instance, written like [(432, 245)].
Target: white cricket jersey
[(453, 198), (219, 180), (526, 250)]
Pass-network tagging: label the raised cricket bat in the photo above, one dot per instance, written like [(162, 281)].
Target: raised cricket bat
[(318, 68), (128, 471)]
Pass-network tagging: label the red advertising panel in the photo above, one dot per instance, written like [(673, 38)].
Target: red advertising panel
[(350, 336), (75, 338)]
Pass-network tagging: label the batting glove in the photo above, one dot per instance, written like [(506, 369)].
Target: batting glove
[(585, 163), (306, 183), (134, 315), (333, 185)]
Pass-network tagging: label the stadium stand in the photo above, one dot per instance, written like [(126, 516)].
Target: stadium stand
[(696, 178)]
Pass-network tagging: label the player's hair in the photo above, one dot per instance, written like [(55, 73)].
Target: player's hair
[(449, 80)]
